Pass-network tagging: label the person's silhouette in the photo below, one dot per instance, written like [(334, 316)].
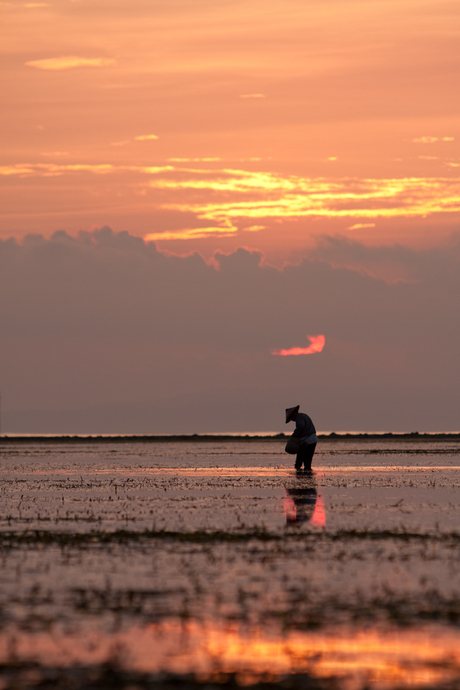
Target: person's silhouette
[(304, 431)]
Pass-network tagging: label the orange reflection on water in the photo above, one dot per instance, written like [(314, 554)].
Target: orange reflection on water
[(405, 659), (398, 658), (318, 519)]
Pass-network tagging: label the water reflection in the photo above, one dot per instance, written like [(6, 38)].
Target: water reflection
[(302, 503), (205, 649)]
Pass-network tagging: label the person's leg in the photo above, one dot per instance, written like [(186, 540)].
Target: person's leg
[(300, 458), (309, 453)]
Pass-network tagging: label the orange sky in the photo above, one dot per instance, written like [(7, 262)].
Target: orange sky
[(212, 125)]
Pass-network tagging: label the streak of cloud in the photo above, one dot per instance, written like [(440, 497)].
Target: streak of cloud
[(192, 233), (360, 226), (225, 197), (50, 154), (70, 62), (140, 137), (432, 140), (194, 160), (254, 228), (317, 343), (43, 169), (146, 137), (271, 196)]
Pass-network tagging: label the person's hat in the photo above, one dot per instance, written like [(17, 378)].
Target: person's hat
[(290, 411)]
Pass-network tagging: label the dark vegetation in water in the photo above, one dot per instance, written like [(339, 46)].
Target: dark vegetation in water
[(110, 677), (10, 540), (299, 615)]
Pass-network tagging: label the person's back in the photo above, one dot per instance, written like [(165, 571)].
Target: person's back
[(304, 427)]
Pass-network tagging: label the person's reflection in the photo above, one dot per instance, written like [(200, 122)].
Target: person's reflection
[(302, 503)]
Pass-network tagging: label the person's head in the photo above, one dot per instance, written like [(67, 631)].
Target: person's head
[(291, 413)]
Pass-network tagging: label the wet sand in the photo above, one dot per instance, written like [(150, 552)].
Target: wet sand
[(212, 562)]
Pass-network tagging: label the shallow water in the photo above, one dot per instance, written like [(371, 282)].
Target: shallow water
[(210, 558)]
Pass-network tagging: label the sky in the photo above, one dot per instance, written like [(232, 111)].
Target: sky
[(211, 211)]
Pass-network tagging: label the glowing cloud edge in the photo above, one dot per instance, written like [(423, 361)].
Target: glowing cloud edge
[(317, 343)]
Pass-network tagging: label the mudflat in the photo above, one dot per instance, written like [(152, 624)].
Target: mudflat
[(211, 562)]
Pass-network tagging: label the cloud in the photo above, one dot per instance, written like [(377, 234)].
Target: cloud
[(253, 95), (141, 137), (70, 62), (253, 228), (194, 160), (225, 199), (102, 332), (317, 343), (44, 169), (192, 233), (268, 195), (391, 264), (359, 226), (54, 153), (232, 197), (432, 140)]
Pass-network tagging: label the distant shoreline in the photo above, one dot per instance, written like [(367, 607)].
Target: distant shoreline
[(168, 438)]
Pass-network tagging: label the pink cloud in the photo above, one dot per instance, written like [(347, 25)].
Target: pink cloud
[(316, 345)]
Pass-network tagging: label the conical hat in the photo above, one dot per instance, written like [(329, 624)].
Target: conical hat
[(290, 411)]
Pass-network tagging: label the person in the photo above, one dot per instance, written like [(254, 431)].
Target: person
[(305, 430)]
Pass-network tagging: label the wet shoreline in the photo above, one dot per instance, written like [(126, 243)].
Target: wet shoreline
[(208, 563)]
